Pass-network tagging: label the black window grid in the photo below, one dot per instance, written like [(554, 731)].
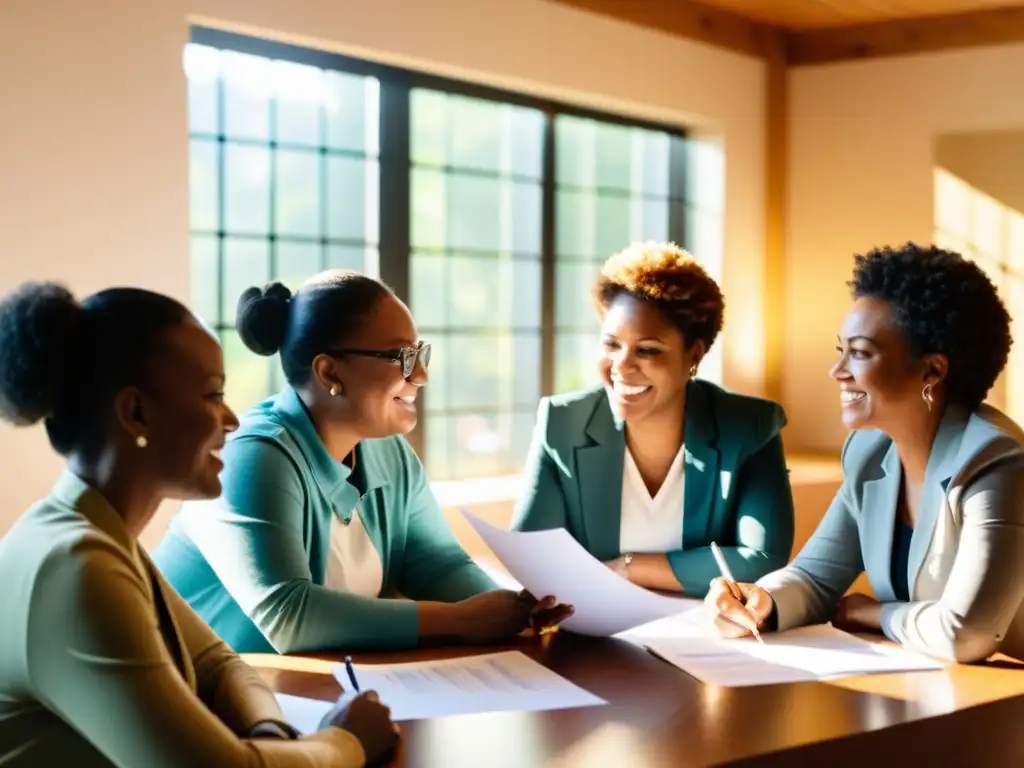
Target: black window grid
[(395, 160)]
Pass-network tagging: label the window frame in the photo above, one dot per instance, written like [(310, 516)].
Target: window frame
[(395, 167)]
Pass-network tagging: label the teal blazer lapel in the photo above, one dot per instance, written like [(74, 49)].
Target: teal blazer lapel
[(701, 472), (881, 497), (599, 469)]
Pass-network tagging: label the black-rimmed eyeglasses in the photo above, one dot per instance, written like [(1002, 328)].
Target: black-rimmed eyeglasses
[(406, 356)]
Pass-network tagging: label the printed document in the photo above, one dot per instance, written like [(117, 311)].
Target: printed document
[(819, 652), (554, 563), (304, 714), (496, 682)]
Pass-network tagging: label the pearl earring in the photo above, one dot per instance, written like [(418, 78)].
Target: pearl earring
[(334, 390), (141, 441)]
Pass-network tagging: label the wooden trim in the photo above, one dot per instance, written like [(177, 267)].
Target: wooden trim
[(907, 36), (685, 19), (776, 188)]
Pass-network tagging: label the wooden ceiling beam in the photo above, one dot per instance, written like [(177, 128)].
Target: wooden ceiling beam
[(687, 19), (901, 37)]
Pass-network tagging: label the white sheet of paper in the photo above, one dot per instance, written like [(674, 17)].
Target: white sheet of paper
[(304, 714), (496, 682), (819, 652), (554, 563)]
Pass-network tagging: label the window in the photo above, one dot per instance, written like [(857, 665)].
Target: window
[(488, 212), (284, 177), (611, 188)]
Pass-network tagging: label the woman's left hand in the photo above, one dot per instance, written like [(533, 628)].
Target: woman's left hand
[(546, 613), (858, 613)]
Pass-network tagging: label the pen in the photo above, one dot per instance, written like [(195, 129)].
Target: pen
[(351, 674), (733, 586)]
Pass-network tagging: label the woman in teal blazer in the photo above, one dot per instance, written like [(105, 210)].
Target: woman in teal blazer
[(326, 511), (651, 467)]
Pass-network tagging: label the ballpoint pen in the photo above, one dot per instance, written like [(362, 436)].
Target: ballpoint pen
[(733, 586), (351, 674)]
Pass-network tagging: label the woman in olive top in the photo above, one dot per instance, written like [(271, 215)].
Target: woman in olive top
[(932, 501), (101, 663), (326, 510), (652, 466)]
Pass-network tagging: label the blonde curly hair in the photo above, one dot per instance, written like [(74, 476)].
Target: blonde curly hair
[(669, 278)]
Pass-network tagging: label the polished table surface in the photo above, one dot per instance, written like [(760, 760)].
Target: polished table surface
[(659, 716)]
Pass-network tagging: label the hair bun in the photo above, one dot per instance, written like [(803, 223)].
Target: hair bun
[(262, 317), (41, 333)]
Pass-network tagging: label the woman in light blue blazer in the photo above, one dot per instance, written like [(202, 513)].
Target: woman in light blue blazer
[(932, 501)]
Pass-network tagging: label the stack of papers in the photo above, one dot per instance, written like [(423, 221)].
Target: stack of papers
[(554, 563), (495, 682), (819, 652)]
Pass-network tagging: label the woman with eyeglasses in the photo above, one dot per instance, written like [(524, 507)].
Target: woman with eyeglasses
[(327, 514)]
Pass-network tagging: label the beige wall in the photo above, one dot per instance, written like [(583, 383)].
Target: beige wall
[(94, 149), (861, 162), (991, 161)]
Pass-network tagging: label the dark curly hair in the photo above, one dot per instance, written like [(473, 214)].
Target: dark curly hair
[(943, 304), (327, 308), (64, 361), (670, 279)]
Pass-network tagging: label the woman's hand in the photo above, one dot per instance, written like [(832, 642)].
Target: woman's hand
[(547, 613), (368, 720), (858, 613), (503, 614), (492, 616), (737, 616)]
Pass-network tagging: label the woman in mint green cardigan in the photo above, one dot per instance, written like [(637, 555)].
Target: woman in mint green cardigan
[(326, 511), (651, 467)]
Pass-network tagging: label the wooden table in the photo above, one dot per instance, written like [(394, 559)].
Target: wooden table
[(659, 716)]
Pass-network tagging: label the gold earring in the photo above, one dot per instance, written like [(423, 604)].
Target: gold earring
[(141, 441), (334, 390), (693, 370), (926, 395)]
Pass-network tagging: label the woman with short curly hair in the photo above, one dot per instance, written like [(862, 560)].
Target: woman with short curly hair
[(652, 466), (932, 502)]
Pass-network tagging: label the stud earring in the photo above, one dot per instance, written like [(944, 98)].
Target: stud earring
[(693, 370), (141, 441), (334, 390), (927, 396)]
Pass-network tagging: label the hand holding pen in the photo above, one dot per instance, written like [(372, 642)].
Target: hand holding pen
[(362, 715), (738, 609)]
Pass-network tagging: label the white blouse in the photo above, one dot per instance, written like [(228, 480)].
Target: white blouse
[(354, 564), (652, 524)]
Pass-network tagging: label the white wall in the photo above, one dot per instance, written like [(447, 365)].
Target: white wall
[(861, 163), (94, 148)]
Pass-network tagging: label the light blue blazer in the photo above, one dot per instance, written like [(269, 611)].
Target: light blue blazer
[(966, 563)]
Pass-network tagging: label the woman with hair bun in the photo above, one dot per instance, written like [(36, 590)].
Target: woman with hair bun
[(102, 664), (652, 466), (326, 511)]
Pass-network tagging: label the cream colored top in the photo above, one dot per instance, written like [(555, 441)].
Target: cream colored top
[(651, 524), (354, 564)]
